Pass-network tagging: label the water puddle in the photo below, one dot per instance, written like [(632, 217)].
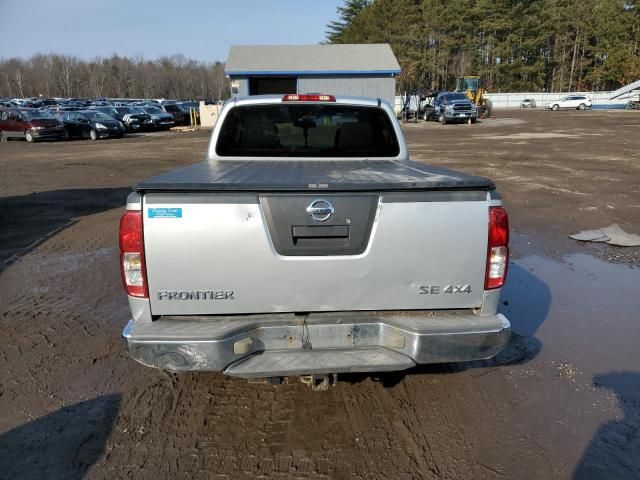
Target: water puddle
[(580, 309)]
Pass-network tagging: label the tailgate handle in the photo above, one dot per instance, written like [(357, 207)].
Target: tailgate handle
[(334, 231), (316, 239)]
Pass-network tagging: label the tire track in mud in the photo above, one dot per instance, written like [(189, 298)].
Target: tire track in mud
[(384, 440), (436, 426), (231, 428), (56, 310)]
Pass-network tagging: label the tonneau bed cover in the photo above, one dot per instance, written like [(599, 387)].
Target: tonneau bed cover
[(303, 175)]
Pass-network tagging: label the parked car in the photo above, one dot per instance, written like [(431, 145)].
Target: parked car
[(56, 109), (99, 103), (528, 103), (130, 116), (407, 260), (575, 102), (45, 102), (159, 119), (131, 120), (92, 124), (31, 124), (454, 107), (632, 105), (22, 102), (181, 112)]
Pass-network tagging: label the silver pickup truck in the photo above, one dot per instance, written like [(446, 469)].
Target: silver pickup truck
[(308, 244)]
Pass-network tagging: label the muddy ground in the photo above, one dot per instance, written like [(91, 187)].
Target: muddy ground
[(562, 401)]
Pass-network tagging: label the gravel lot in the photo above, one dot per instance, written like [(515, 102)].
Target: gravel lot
[(562, 401)]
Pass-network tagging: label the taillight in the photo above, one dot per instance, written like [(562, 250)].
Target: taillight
[(498, 249), (132, 254), (308, 98)]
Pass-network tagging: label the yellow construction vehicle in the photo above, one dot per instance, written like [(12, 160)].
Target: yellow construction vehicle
[(473, 87)]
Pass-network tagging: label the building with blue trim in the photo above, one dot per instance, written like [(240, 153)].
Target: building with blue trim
[(367, 70)]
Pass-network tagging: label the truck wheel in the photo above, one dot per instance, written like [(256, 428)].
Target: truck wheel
[(555, 107), (28, 136), (442, 119), (93, 135), (582, 106)]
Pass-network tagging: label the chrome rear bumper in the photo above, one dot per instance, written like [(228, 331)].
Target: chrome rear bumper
[(337, 342)]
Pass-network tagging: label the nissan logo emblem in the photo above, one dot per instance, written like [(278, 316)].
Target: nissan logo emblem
[(320, 210)]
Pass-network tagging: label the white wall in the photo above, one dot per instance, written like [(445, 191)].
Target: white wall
[(512, 100), (209, 114)]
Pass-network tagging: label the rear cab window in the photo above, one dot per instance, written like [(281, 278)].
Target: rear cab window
[(307, 130)]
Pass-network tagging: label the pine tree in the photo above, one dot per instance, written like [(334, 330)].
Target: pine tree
[(347, 14)]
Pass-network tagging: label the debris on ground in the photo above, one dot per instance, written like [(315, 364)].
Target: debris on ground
[(184, 129), (613, 235)]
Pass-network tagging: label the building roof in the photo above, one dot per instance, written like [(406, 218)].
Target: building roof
[(338, 59)]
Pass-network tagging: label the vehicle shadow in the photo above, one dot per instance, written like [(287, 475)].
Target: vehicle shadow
[(525, 301), (29, 220), (613, 451), (63, 444)]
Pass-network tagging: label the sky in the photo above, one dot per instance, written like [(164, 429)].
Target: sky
[(198, 29)]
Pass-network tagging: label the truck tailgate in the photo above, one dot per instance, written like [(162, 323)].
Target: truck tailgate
[(257, 252)]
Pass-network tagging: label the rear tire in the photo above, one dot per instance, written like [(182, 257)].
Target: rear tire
[(582, 106), (442, 119), (28, 136), (93, 135), (555, 107)]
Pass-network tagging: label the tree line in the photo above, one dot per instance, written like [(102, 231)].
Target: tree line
[(525, 45), (64, 76)]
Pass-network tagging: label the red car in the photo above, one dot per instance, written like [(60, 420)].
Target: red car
[(31, 124)]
